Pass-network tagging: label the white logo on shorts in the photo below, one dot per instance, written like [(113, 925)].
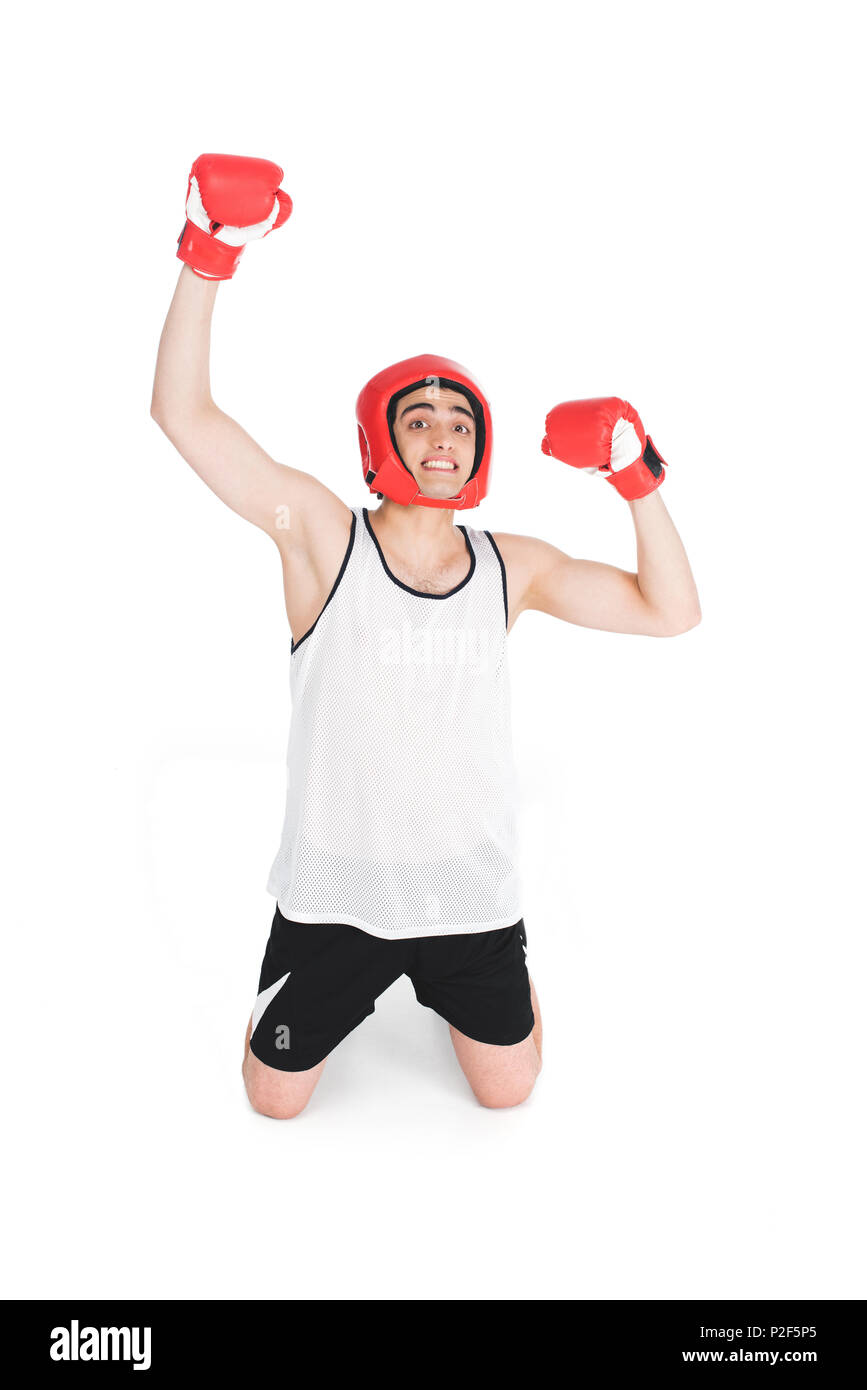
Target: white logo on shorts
[(264, 999)]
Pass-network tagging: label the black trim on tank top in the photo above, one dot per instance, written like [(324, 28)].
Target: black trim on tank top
[(503, 572), (295, 645), (419, 593)]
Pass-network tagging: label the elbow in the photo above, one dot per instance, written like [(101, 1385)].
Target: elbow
[(169, 411), (163, 417), (675, 629)]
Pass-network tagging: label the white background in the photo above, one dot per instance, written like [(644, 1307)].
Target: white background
[(659, 201)]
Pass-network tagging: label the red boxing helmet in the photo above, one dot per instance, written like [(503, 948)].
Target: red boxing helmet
[(384, 470)]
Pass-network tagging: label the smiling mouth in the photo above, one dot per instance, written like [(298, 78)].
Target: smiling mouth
[(439, 466)]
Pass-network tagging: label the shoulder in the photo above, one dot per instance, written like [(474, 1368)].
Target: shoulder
[(524, 559), (315, 545), (524, 555)]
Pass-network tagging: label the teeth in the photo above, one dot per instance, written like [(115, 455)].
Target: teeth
[(429, 463)]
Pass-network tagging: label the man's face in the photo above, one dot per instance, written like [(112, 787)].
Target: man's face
[(436, 438)]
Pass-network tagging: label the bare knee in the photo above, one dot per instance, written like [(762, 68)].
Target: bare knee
[(280, 1095), (275, 1108), (502, 1102), (506, 1095)]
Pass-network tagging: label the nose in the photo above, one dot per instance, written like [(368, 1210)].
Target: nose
[(441, 435)]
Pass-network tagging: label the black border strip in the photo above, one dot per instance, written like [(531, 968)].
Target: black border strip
[(418, 592), (295, 645), (503, 573)]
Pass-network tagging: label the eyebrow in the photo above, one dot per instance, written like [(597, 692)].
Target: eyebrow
[(426, 405)]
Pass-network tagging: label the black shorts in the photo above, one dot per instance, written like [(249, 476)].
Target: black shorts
[(319, 980)]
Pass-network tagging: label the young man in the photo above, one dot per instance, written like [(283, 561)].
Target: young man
[(398, 852)]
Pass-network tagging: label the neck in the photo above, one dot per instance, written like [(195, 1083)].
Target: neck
[(414, 528)]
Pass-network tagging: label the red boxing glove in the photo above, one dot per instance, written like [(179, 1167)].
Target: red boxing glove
[(605, 434), (230, 200)]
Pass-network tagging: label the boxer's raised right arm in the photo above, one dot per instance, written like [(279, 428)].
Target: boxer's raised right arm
[(289, 505)]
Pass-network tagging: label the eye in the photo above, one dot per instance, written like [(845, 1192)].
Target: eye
[(422, 420)]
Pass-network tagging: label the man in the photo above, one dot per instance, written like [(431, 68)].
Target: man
[(398, 853)]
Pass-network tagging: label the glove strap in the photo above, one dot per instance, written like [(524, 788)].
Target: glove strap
[(641, 477), (206, 255), (655, 462)]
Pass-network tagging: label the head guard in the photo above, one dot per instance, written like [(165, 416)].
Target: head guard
[(383, 468)]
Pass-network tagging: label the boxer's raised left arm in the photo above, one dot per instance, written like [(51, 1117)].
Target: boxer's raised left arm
[(660, 600)]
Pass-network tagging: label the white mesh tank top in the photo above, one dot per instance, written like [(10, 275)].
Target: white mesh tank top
[(401, 801)]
